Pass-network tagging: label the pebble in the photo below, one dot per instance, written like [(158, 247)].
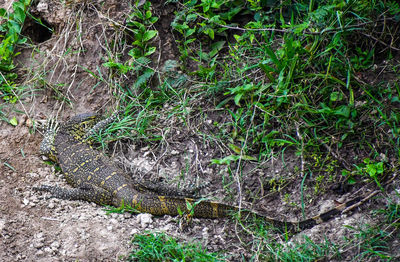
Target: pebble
[(144, 219), (134, 231), (38, 241), (2, 224), (174, 152), (55, 245), (25, 201), (127, 215)]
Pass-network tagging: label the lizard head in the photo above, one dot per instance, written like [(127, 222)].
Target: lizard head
[(47, 147)]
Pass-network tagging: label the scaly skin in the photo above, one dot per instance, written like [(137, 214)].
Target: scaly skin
[(95, 178)]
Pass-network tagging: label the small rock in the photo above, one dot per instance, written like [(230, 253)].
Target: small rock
[(134, 231), (205, 235), (55, 245), (2, 224), (38, 243), (127, 215), (83, 216), (42, 7), (174, 152), (29, 123), (34, 175), (144, 219), (25, 201), (167, 228), (144, 148)]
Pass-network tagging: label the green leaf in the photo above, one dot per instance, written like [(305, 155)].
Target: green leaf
[(189, 41), (189, 32), (150, 50), (179, 211), (148, 14), (248, 158), (210, 33), (191, 17), (379, 168), (235, 148), (343, 111), (14, 29), (226, 160), (153, 19), (334, 96), (3, 12), (268, 70), (237, 98), (19, 15), (189, 206), (139, 25), (14, 121), (149, 35)]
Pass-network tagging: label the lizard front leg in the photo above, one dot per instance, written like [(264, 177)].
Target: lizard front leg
[(85, 191)]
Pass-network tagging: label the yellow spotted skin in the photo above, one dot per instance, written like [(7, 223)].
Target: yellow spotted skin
[(95, 178)]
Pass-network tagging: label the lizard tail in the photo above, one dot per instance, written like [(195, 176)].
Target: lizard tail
[(165, 205)]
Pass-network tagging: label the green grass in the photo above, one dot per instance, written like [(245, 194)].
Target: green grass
[(161, 247)]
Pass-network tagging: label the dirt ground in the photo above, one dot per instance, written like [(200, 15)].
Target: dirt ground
[(36, 228)]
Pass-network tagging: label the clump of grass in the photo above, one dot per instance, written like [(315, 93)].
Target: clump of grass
[(160, 247), (374, 241)]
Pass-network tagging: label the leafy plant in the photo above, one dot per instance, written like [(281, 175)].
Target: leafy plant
[(10, 37), (372, 169), (362, 60), (140, 20)]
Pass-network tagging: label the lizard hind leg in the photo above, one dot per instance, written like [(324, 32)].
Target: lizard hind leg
[(100, 125)]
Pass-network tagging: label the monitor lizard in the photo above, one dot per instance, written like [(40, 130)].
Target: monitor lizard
[(95, 178)]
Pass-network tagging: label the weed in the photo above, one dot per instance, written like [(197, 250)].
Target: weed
[(121, 209), (11, 29), (371, 241), (139, 22), (160, 247), (372, 169)]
